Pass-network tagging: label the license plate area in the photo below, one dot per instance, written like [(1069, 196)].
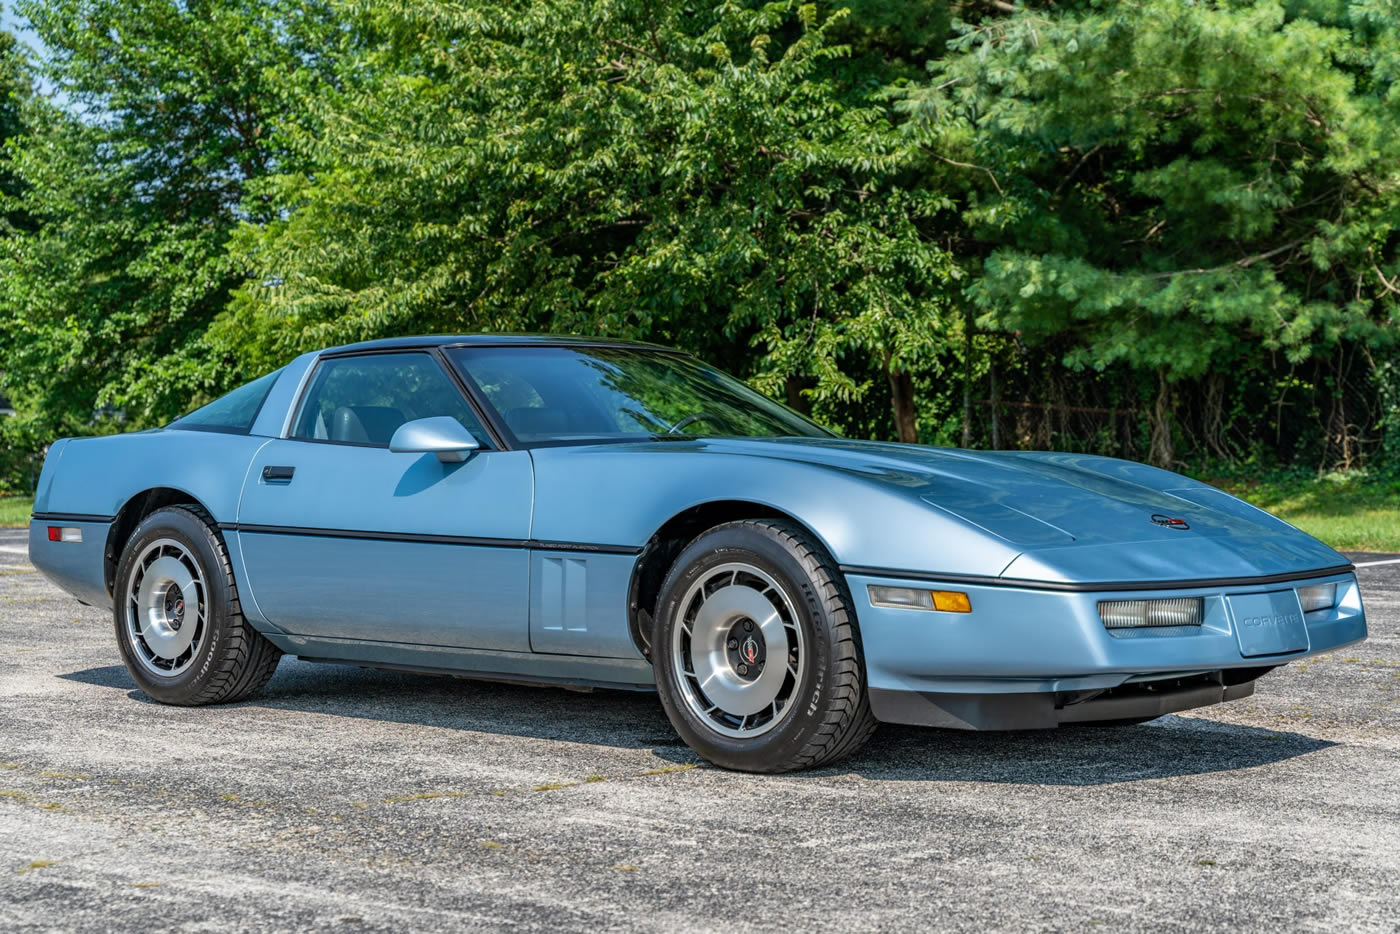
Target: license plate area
[(1268, 623)]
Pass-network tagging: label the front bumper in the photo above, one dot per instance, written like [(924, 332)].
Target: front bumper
[(1024, 657)]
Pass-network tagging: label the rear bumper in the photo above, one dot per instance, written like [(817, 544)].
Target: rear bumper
[(1026, 658), (77, 567)]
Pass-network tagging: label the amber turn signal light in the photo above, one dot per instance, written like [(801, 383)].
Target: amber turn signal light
[(913, 598), (951, 601)]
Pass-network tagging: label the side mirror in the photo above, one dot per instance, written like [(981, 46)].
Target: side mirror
[(442, 435)]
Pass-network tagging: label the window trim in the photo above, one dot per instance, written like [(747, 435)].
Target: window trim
[(469, 383), (211, 429), (501, 436), (429, 351)]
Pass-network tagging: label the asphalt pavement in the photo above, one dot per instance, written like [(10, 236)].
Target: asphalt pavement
[(349, 799)]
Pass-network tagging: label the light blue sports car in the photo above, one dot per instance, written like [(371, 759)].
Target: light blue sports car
[(611, 514)]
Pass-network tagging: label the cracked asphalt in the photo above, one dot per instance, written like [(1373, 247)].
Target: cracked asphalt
[(349, 799)]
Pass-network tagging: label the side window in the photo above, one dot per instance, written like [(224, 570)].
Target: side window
[(363, 400), (234, 412)]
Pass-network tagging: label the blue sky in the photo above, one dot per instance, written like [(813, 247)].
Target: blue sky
[(10, 22)]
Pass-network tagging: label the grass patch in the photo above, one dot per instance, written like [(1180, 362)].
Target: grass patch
[(425, 796), (15, 511), (1352, 511), (553, 786), (668, 770)]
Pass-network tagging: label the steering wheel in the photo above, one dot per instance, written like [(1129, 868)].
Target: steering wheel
[(691, 420)]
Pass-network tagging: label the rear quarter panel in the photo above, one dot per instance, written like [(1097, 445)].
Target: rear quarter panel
[(86, 482), (98, 476)]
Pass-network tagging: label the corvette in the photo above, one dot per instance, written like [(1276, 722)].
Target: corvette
[(602, 513)]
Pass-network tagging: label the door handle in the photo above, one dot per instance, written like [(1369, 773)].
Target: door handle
[(278, 474)]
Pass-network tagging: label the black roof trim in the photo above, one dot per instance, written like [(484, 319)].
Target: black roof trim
[(491, 340)]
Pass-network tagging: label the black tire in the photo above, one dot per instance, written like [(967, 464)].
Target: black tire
[(828, 716), (227, 659)]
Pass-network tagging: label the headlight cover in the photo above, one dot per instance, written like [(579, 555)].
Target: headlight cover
[(1169, 611), (1318, 597)]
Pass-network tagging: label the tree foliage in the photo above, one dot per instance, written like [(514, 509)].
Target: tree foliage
[(1152, 227), (708, 178), (132, 173), (1160, 183)]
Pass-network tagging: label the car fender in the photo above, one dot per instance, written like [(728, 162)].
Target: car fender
[(617, 495)]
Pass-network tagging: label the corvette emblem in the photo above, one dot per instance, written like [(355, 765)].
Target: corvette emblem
[(749, 650), (1169, 522)]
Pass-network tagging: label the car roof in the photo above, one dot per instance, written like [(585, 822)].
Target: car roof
[(492, 340)]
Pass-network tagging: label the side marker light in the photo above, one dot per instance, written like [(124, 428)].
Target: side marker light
[(913, 598)]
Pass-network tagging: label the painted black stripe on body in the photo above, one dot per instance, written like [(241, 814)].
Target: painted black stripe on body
[(430, 539), (1095, 586), (69, 517)]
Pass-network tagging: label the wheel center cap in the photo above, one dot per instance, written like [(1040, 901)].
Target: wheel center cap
[(748, 650), (174, 607)]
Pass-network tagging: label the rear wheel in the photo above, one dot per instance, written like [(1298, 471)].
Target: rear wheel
[(757, 654), (179, 624)]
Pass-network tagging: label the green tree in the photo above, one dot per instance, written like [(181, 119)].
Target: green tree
[(133, 172), (18, 442), (1153, 183), (1178, 208), (713, 178)]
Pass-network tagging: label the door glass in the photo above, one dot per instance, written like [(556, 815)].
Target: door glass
[(363, 400)]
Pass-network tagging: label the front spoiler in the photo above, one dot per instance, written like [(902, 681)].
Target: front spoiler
[(1023, 640), (1041, 711)]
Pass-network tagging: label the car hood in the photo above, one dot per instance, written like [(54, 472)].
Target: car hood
[(1075, 517)]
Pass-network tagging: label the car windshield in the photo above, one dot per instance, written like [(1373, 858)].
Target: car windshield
[(567, 394)]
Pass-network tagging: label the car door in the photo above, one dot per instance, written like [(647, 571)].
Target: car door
[(343, 538)]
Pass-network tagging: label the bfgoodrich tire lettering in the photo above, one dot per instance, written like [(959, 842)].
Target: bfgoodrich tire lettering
[(802, 700), (179, 623)]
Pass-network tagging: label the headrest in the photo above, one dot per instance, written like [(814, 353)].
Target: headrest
[(365, 424)]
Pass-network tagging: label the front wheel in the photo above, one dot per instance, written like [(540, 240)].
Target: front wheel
[(180, 627), (758, 658)]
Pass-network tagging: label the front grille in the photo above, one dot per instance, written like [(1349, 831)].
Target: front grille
[(1134, 614)]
